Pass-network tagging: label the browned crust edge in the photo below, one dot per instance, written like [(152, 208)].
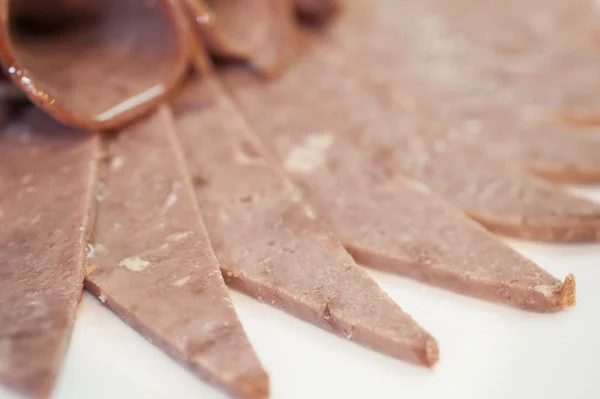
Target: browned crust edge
[(566, 295), (552, 231)]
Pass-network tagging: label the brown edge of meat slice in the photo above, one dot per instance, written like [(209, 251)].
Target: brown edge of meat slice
[(48, 175), (267, 239), (154, 266)]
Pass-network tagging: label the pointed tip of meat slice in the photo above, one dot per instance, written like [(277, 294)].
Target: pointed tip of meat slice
[(566, 295), (253, 386)]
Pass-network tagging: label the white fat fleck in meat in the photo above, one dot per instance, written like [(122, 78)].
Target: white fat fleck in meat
[(179, 236), (135, 264), (172, 198), (209, 326), (182, 281), (418, 186), (91, 251), (310, 155), (26, 179), (546, 290), (100, 249), (310, 213), (117, 163), (102, 298)]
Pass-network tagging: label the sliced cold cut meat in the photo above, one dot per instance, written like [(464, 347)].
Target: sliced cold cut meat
[(48, 177), (384, 220), (268, 241), (153, 264), (379, 119)]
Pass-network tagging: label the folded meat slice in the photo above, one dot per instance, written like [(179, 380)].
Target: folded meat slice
[(153, 264), (384, 220), (260, 32), (48, 177), (268, 241), (56, 52)]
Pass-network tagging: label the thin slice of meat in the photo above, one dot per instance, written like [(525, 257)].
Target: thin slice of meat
[(267, 239), (498, 74), (384, 220), (48, 177), (363, 109), (502, 198), (56, 52), (153, 264), (260, 32)]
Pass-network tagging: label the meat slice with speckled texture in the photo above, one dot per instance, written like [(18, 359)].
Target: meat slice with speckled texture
[(153, 264), (328, 145), (269, 242), (47, 179)]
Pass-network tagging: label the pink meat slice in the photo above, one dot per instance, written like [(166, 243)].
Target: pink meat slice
[(268, 241), (48, 176), (153, 264), (364, 109), (385, 220), (261, 32), (501, 74)]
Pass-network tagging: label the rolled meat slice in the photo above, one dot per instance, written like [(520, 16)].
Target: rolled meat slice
[(153, 264), (48, 177), (384, 220), (94, 64), (261, 32), (268, 241)]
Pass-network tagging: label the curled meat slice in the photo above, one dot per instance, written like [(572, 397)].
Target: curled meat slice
[(260, 32), (87, 62)]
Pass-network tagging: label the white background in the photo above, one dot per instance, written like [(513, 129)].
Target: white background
[(486, 350)]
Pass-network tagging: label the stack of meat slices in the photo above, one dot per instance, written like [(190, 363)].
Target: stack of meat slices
[(391, 134)]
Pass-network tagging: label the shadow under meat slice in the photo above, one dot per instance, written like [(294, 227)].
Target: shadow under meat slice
[(261, 32), (385, 221), (47, 177), (153, 264), (94, 64), (267, 239)]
